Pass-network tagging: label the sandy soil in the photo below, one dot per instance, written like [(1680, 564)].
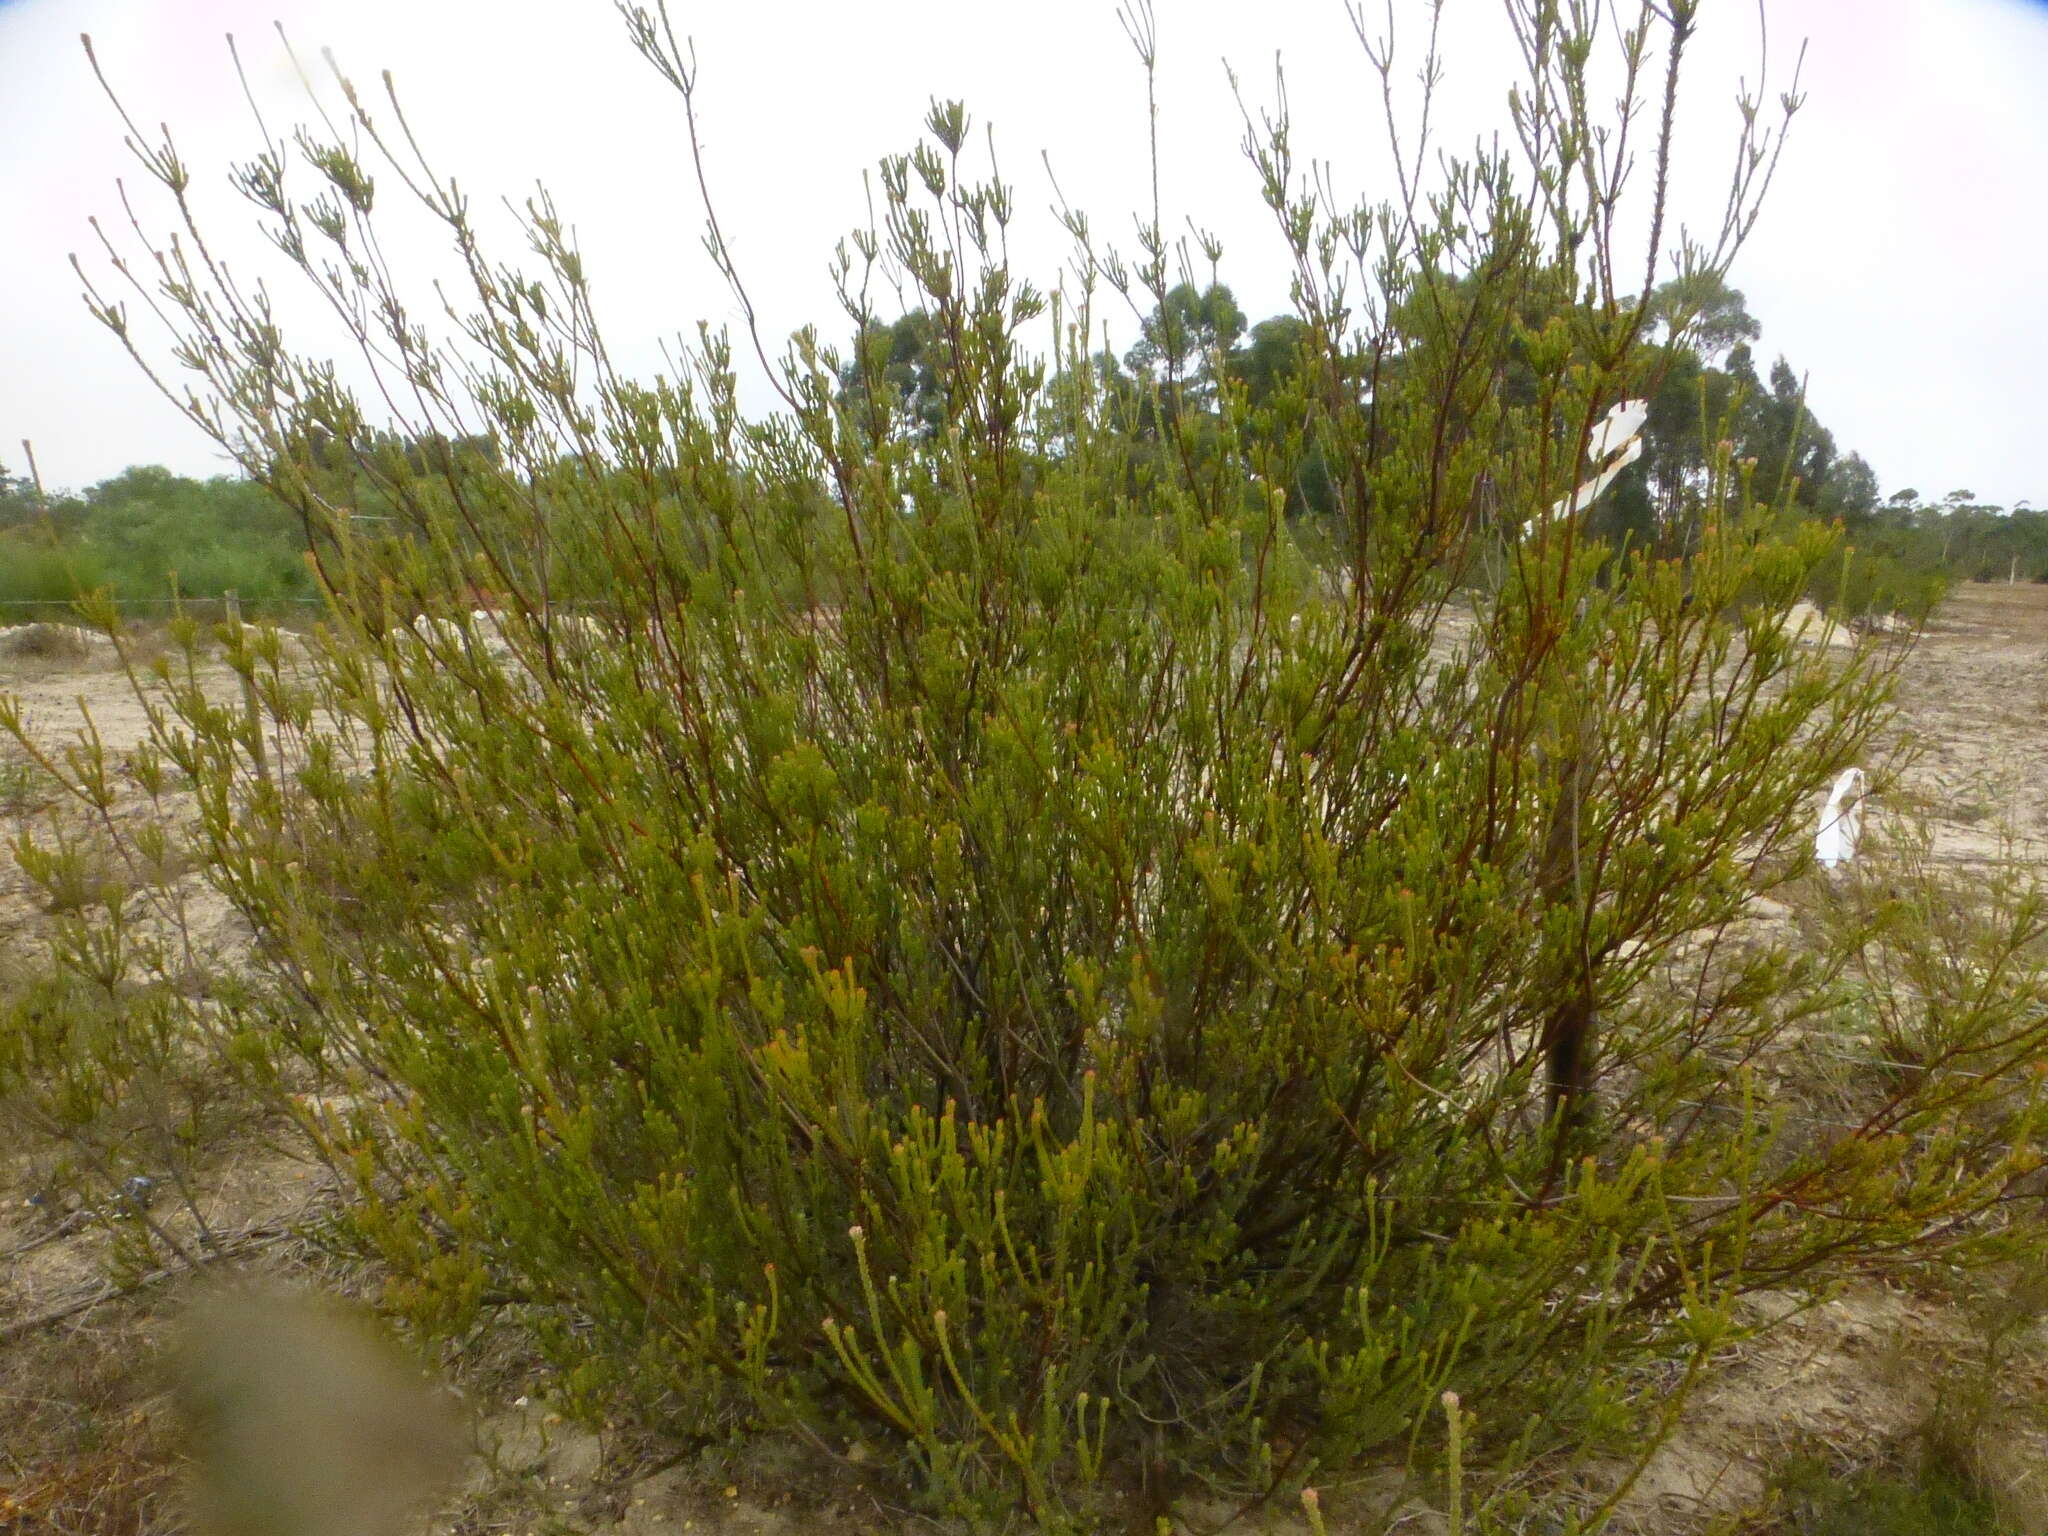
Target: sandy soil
[(1974, 714), (1974, 703)]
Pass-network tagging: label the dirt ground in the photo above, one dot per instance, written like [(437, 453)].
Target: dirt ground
[(78, 1372), (1974, 702)]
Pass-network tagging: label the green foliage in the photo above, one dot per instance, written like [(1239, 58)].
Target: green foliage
[(107, 1071), (1957, 538), (1885, 579), (900, 355), (977, 937), (1186, 338), (21, 786), (148, 535), (1930, 1498), (100, 1080), (34, 577)]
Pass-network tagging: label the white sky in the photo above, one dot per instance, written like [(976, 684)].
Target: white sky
[(1899, 262)]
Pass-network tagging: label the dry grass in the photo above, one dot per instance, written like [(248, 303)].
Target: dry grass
[(49, 643), (86, 1434)]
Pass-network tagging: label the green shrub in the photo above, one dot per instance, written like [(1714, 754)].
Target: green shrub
[(972, 941), (1930, 1497), (34, 576), (1874, 580), (21, 787), (101, 1086), (148, 538)]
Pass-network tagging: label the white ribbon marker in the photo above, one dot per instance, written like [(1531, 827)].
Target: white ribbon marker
[(1841, 823), (1617, 443)]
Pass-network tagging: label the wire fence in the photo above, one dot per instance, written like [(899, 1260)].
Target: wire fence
[(123, 604), (226, 607)]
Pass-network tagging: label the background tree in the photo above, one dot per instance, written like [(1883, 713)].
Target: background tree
[(898, 354), (1702, 314), (1185, 342)]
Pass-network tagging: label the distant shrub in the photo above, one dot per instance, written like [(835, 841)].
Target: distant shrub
[(34, 578), (1857, 582), (147, 538), (47, 642)]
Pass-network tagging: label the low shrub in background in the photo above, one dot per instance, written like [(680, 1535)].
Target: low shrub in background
[(35, 580), (146, 538)]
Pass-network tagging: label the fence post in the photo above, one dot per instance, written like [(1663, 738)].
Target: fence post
[(250, 713)]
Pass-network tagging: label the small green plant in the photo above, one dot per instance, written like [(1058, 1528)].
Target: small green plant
[(106, 1087), (117, 1073), (74, 874), (1923, 1495), (22, 787)]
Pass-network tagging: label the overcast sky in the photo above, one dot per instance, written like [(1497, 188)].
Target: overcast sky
[(1901, 262)]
